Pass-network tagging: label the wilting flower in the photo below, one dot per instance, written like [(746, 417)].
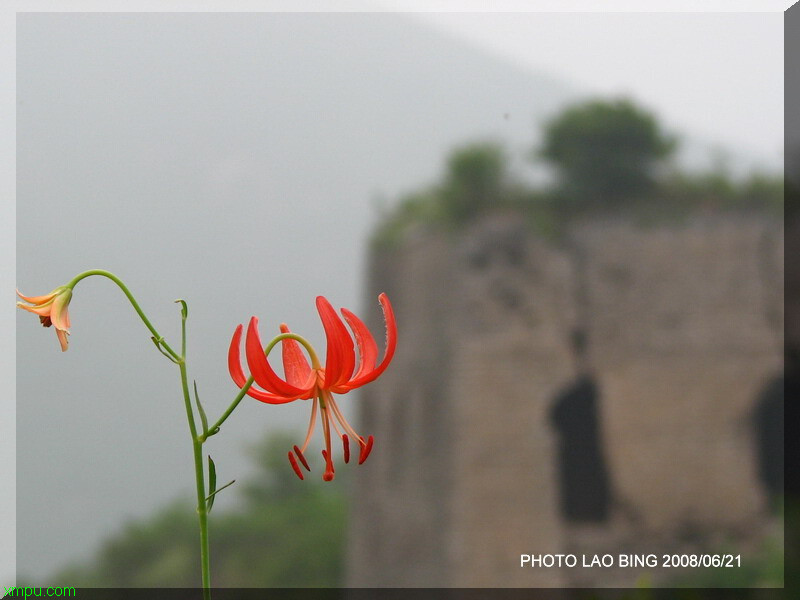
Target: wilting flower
[(306, 382), (52, 310)]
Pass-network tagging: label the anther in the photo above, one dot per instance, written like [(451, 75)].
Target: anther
[(302, 458), (346, 446), (365, 450), (294, 466)]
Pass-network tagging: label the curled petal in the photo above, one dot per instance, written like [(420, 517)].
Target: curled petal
[(39, 299), (42, 311), (262, 371), (391, 345), (238, 376), (367, 348), (295, 364), (341, 358)]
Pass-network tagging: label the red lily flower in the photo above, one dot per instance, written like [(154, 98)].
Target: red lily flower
[(304, 382), (52, 310)]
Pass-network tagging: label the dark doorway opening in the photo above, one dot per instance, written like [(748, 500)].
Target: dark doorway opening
[(768, 428), (583, 476)]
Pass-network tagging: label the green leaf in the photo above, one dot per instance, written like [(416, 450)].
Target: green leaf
[(212, 484), (203, 418)]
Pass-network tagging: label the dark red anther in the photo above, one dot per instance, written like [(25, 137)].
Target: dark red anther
[(294, 466), (328, 474), (302, 458), (346, 446), (365, 450)]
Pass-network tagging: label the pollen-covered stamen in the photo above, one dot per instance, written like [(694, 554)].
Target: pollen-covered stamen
[(311, 424), (329, 471), (346, 446), (293, 462), (45, 321), (365, 450), (301, 457)]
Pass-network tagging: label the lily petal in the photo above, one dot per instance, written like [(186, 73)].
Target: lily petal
[(59, 314), (42, 311), (262, 371), (238, 376), (62, 339), (367, 348), (295, 365), (341, 358), (391, 345), (39, 299)]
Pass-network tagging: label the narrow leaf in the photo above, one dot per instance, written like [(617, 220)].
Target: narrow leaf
[(212, 484), (200, 410), (160, 349), (220, 489)]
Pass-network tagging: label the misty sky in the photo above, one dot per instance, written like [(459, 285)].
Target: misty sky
[(718, 76), (237, 161)]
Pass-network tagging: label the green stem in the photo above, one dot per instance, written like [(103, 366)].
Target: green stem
[(197, 441), (215, 427), (284, 336), (197, 449), (133, 302), (202, 512)]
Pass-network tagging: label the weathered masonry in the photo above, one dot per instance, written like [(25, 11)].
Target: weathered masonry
[(615, 391)]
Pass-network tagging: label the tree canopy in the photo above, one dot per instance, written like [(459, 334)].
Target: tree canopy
[(605, 150)]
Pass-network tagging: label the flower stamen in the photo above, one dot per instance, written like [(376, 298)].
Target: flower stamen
[(346, 448), (365, 450), (293, 462), (311, 424), (328, 475), (345, 425), (350, 362), (302, 458)]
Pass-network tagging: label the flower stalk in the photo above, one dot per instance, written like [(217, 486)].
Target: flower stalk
[(66, 291), (302, 380)]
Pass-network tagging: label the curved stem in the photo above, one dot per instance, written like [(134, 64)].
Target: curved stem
[(213, 429), (197, 441), (284, 336), (298, 338), (159, 339)]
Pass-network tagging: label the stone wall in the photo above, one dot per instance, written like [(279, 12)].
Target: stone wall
[(684, 330)]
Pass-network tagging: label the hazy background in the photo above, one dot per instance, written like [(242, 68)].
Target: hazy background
[(239, 161)]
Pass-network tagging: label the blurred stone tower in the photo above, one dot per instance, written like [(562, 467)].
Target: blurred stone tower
[(683, 330)]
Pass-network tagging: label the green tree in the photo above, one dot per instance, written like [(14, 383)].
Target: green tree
[(476, 179), (605, 151)]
